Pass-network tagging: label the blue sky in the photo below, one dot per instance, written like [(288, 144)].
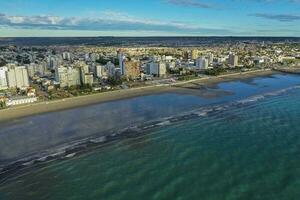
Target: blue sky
[(149, 18)]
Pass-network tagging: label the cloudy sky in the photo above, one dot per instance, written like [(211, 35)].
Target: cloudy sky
[(149, 18)]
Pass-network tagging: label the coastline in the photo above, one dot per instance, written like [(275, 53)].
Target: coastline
[(74, 102)]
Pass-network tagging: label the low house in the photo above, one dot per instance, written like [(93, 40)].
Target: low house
[(18, 100)]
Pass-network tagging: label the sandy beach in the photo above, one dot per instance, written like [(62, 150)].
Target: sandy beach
[(69, 103)]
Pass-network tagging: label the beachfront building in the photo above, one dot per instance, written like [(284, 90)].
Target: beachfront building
[(17, 77), (210, 58), (121, 58), (18, 100), (233, 60), (162, 69), (132, 69), (101, 71), (37, 69), (88, 79), (3, 80), (111, 69), (202, 63), (67, 76), (158, 69)]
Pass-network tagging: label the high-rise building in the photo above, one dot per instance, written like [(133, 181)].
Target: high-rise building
[(101, 71), (121, 58), (88, 79), (17, 77), (210, 58), (132, 69), (84, 70), (3, 80), (61, 76), (233, 60), (202, 63), (152, 68), (111, 69), (36, 69), (162, 69), (53, 62), (73, 76), (156, 68), (67, 76)]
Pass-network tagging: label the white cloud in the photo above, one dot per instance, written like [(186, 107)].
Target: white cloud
[(109, 21)]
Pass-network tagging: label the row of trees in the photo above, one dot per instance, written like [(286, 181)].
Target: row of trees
[(215, 71)]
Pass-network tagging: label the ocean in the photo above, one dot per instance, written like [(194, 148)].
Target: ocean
[(242, 145)]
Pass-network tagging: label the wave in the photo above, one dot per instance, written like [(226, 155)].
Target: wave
[(73, 149)]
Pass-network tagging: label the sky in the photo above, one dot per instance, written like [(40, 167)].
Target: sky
[(34, 18)]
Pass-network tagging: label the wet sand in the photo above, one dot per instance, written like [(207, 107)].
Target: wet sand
[(186, 87)]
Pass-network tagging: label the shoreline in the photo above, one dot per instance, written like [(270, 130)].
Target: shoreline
[(14, 113)]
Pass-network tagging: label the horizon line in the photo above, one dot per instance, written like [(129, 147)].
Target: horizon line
[(232, 36)]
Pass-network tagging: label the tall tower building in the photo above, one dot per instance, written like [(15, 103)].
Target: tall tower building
[(121, 58), (233, 60)]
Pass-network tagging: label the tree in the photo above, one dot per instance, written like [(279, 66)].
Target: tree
[(214, 72), (102, 61), (2, 104), (2, 63), (114, 81)]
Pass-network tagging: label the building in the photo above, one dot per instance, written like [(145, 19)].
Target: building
[(210, 58), (67, 56), (18, 100), (84, 70), (132, 69), (121, 58), (195, 54), (202, 63), (17, 77), (53, 62), (162, 69), (158, 69), (36, 69), (101, 71), (152, 68), (3, 80), (88, 79), (233, 60), (67, 76), (111, 69)]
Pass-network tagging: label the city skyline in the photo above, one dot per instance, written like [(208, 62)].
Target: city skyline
[(151, 18)]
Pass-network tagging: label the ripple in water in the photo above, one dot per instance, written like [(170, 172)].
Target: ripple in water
[(248, 151)]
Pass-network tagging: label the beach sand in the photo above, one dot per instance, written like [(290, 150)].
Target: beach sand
[(188, 87)]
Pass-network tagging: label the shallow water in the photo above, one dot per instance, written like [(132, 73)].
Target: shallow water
[(247, 150)]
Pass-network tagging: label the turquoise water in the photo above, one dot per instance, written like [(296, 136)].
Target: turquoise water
[(247, 150)]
